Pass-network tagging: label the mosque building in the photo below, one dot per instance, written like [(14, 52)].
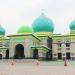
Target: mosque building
[(38, 42)]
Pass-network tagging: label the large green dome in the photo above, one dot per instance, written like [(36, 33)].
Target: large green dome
[(72, 25), (25, 29), (2, 31), (43, 24)]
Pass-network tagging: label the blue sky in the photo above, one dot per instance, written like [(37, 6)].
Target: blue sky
[(16, 13)]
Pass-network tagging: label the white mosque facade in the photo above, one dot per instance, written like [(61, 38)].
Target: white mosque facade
[(38, 42)]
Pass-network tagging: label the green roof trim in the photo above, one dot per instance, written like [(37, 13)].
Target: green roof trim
[(24, 35), (71, 36), (42, 48), (3, 48)]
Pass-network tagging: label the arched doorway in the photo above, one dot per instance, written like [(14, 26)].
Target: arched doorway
[(35, 54), (19, 52), (7, 54)]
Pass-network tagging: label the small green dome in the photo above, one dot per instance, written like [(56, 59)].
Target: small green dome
[(25, 29), (72, 25), (43, 24), (2, 31)]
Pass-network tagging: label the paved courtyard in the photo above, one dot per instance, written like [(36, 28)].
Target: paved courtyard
[(31, 68)]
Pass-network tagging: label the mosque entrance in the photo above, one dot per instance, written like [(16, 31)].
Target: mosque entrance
[(7, 54), (19, 52), (35, 54), (49, 55), (0, 56), (59, 55), (68, 55)]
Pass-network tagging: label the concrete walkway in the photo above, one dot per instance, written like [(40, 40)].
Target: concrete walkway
[(9, 68)]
